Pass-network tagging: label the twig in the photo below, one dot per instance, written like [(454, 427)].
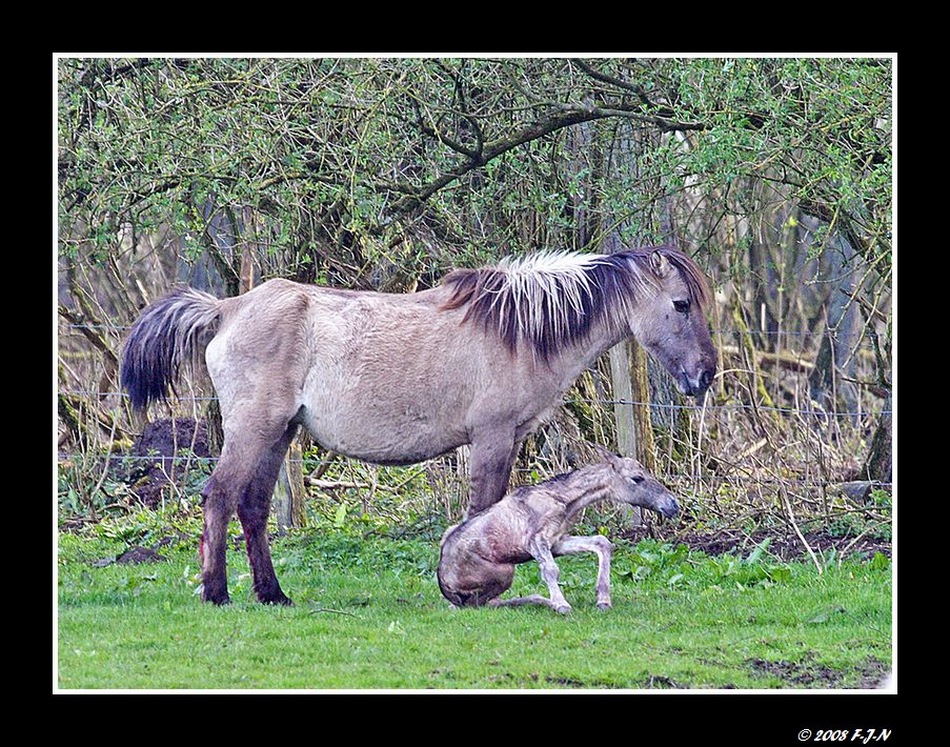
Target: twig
[(105, 471), (324, 465), (752, 449), (699, 443), (851, 544), (791, 516), (315, 610), (791, 361), (344, 485)]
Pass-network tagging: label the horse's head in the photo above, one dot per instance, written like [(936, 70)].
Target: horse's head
[(672, 323), (632, 484)]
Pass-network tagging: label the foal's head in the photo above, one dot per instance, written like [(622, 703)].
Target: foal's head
[(632, 484)]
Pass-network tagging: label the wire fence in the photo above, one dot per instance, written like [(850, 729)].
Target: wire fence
[(744, 461)]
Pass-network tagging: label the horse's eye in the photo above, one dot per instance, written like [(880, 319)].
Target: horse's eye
[(681, 306), (636, 479)]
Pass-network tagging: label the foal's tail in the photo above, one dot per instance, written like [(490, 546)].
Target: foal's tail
[(172, 331)]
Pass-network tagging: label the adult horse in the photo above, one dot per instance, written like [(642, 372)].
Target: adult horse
[(481, 359)]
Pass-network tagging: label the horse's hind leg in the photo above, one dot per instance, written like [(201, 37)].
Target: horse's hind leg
[(253, 510), (218, 504), (243, 482)]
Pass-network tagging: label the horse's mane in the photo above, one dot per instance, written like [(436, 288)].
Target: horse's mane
[(552, 299)]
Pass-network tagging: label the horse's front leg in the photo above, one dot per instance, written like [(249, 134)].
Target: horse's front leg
[(492, 457), (601, 547)]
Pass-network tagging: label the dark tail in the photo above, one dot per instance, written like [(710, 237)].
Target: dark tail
[(171, 331)]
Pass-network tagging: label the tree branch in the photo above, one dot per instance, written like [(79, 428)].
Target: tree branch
[(558, 117)]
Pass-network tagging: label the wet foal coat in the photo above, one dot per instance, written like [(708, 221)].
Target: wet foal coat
[(481, 359), (478, 557)]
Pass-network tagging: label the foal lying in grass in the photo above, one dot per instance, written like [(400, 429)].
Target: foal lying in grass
[(478, 556)]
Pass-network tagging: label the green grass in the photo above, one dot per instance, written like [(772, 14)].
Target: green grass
[(369, 616)]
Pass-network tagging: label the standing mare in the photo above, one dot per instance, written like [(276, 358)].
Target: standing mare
[(481, 359)]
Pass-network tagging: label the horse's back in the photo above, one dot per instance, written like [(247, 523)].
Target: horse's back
[(367, 373)]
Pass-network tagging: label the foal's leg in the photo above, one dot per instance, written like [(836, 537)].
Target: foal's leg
[(600, 546), (522, 601), (541, 551)]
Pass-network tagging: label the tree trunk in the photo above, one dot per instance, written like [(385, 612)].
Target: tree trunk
[(877, 467)]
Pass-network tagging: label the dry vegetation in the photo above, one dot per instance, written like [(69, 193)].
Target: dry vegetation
[(794, 437)]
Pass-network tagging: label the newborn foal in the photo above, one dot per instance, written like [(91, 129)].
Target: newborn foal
[(478, 556)]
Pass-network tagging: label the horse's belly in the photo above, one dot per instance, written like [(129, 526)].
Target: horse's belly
[(381, 435)]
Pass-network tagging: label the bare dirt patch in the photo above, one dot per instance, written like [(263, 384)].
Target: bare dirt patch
[(807, 674)]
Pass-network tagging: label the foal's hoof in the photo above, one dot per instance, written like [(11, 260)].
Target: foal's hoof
[(563, 609), (604, 605)]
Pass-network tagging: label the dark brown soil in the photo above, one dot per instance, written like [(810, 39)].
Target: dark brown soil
[(157, 456), (806, 674), (786, 546)]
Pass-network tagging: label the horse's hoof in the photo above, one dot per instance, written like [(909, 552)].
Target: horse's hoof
[(282, 600), (564, 609), (604, 605)]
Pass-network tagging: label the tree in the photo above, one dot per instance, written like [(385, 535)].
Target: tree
[(384, 173)]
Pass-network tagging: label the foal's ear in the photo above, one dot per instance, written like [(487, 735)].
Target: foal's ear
[(608, 456), (660, 264)]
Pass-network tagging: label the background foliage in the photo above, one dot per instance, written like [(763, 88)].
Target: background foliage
[(775, 173)]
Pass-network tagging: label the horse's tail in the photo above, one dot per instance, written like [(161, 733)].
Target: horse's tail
[(172, 331)]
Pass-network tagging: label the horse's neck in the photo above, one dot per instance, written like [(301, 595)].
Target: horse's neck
[(574, 359), (587, 487)]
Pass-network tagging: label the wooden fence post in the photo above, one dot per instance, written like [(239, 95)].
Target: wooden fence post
[(289, 491), (640, 386), (624, 418)]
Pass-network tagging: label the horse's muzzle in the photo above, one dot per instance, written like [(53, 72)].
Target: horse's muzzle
[(698, 387), (705, 381)]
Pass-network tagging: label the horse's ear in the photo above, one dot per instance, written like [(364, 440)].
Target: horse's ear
[(660, 264)]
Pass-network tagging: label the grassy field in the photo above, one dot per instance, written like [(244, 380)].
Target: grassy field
[(369, 617)]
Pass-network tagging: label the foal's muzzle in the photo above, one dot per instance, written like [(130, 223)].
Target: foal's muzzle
[(669, 507)]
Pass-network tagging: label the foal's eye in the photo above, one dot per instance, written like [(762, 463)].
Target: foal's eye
[(636, 479), (681, 306)]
